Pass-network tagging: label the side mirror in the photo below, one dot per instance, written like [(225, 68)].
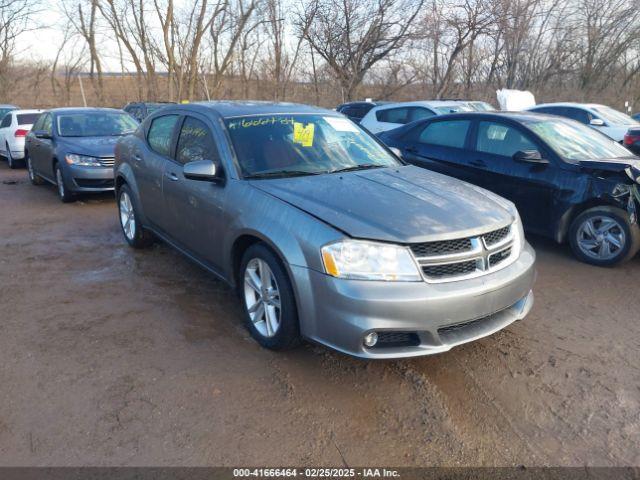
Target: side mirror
[(596, 122), (204, 170), (396, 151), (42, 134), (529, 156)]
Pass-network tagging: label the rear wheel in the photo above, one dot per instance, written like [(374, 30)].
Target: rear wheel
[(603, 236), (10, 159), (33, 176), (65, 195), (132, 228), (267, 296)]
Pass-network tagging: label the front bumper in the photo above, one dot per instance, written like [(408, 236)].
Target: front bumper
[(89, 179), (339, 313)]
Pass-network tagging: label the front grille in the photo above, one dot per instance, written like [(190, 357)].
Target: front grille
[(496, 236), (397, 339), (450, 269), (107, 162), (445, 260), (94, 183), (496, 258), (445, 247), (457, 327)]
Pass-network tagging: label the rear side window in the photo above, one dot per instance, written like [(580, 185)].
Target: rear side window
[(418, 113), (578, 114), (6, 121), (195, 142), (160, 134), (393, 115), (27, 118), (448, 133), (500, 139)]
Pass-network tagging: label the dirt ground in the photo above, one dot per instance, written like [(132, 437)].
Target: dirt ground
[(110, 356)]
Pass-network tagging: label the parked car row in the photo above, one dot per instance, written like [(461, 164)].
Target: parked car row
[(399, 244)]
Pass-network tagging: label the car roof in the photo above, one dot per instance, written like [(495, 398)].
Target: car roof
[(6, 105), (425, 103), (20, 111), (229, 109), (83, 110), (568, 104), (522, 116)]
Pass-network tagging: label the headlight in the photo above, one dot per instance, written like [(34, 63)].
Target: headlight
[(82, 160), (361, 260)]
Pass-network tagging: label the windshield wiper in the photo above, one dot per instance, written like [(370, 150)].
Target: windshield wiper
[(365, 166), (282, 173)]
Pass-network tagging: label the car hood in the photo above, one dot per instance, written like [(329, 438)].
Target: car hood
[(402, 205), (631, 165), (93, 146)]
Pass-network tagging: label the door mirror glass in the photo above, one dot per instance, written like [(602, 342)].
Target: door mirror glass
[(597, 122), (529, 156), (205, 170), (42, 134)]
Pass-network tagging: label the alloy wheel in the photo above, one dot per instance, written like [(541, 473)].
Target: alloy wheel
[(127, 216), (32, 175), (262, 297), (60, 183), (601, 237)]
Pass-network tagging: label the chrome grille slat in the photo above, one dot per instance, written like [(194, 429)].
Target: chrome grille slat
[(451, 260), (107, 162)]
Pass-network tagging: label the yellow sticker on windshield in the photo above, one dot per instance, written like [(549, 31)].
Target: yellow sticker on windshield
[(303, 134)]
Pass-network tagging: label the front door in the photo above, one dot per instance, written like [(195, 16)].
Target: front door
[(195, 208)]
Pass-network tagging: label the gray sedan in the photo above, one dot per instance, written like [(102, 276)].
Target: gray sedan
[(324, 233)]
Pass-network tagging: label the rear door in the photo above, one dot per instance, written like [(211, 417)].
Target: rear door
[(195, 208), (149, 161), (441, 146), (42, 154), (530, 186)]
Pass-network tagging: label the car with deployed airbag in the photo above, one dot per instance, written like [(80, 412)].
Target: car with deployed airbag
[(570, 183), (323, 232)]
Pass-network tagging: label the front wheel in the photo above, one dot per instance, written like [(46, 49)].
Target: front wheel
[(267, 296), (603, 236), (63, 193), (132, 229)]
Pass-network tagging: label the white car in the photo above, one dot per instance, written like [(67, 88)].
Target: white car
[(13, 129), (612, 123), (394, 115)]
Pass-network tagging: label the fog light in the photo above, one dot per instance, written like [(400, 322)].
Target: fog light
[(370, 339)]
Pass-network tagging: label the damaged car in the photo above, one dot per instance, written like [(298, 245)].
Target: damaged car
[(569, 182), (322, 231)]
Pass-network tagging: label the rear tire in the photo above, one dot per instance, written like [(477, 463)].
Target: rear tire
[(34, 178), (10, 161), (604, 236), (268, 301), (63, 193), (134, 232)]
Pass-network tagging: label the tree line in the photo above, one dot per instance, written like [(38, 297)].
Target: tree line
[(328, 51)]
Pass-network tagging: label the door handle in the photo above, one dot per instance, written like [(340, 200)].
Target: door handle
[(411, 150), (172, 176), (137, 157), (478, 163)]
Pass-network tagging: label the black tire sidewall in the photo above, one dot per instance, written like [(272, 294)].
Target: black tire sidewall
[(621, 217), (288, 335)]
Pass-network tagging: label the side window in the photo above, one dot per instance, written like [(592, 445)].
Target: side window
[(47, 124), (160, 134), (195, 142), (500, 139), (578, 114), (39, 123), (393, 115), (448, 133), (418, 113), (6, 121)]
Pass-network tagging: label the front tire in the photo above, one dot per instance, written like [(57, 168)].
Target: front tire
[(34, 178), (63, 193), (603, 236), (268, 300), (132, 229)]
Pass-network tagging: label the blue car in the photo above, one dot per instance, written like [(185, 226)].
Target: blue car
[(73, 148), (570, 183)]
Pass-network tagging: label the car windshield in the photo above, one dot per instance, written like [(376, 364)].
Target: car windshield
[(574, 141), (454, 109), (289, 145), (614, 117), (152, 107), (482, 106), (95, 124)]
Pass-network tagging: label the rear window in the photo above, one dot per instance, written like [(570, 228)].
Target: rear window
[(27, 118)]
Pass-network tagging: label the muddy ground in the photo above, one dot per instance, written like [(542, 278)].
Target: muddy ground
[(110, 356)]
